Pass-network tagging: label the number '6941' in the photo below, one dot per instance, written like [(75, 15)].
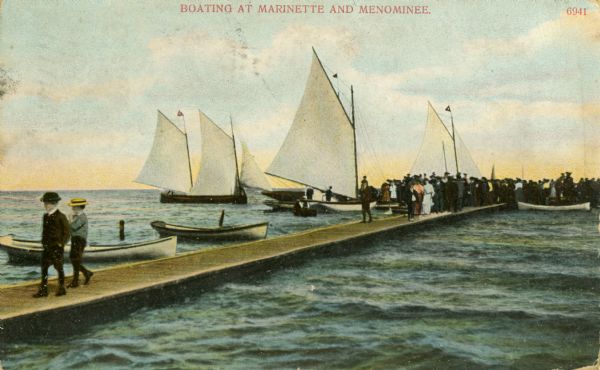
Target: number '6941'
[(576, 11)]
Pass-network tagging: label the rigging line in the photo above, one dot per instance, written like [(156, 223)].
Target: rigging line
[(422, 146), (363, 125), (343, 98), (469, 156), (340, 80), (368, 143)]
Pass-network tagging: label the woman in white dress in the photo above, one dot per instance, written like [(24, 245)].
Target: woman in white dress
[(428, 197)]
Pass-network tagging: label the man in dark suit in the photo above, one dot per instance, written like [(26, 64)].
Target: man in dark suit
[(55, 234), (451, 194), (460, 192), (366, 197)]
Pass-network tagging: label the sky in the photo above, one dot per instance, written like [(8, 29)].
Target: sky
[(522, 78)]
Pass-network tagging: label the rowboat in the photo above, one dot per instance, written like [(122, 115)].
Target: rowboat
[(20, 250), (571, 207), (386, 206), (236, 232), (305, 212), (350, 206)]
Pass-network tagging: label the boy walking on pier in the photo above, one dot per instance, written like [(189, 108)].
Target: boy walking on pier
[(79, 231), (55, 234)]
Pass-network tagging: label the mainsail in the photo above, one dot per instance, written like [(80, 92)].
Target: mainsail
[(251, 175), (319, 148), (218, 171), (437, 150), (167, 165)]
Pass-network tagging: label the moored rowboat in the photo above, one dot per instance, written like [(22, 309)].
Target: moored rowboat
[(239, 232), (351, 206), (20, 250), (570, 207)]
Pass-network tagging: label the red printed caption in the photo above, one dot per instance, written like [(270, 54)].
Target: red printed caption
[(576, 11)]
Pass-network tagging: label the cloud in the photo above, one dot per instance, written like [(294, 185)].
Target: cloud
[(112, 89), (549, 33)]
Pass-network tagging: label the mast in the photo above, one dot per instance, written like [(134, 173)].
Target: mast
[(354, 132), (237, 173), (453, 139), (187, 147), (444, 151)]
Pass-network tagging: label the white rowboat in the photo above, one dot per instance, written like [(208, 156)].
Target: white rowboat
[(352, 206), (20, 250), (571, 207), (240, 232)]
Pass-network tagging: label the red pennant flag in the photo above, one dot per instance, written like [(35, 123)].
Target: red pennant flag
[(448, 109), (179, 114), (335, 75)]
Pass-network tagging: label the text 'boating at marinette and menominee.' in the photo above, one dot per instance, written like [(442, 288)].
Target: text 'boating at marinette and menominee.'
[(248, 8)]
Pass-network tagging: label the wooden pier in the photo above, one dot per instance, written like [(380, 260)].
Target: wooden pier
[(119, 290)]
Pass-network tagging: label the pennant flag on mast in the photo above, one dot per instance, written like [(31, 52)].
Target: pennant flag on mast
[(179, 113), (448, 109)]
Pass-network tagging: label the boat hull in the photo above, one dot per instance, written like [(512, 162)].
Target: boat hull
[(571, 207), (386, 206), (305, 212), (185, 198), (285, 195), (243, 232), (28, 251), (342, 206)]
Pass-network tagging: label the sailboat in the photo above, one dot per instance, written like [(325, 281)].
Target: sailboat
[(251, 175), (168, 165), (440, 146), (319, 150)]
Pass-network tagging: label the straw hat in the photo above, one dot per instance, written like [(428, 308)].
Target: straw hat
[(77, 202)]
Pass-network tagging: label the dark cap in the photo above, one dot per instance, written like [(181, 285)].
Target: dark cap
[(50, 197)]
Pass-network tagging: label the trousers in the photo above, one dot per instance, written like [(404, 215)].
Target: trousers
[(53, 256)]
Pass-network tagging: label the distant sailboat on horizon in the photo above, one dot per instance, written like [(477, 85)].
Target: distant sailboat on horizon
[(442, 150), (168, 165)]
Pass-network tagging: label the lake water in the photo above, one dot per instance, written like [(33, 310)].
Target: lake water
[(504, 290)]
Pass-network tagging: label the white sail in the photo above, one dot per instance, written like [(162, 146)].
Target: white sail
[(251, 175), (437, 151), (167, 165), (217, 174), (277, 183), (319, 148)]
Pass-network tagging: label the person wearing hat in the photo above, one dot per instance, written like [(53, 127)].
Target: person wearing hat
[(79, 231), (55, 234), (366, 197)]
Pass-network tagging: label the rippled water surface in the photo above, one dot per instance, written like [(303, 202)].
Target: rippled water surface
[(505, 290)]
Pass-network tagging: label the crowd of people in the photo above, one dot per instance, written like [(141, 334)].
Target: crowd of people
[(423, 194)]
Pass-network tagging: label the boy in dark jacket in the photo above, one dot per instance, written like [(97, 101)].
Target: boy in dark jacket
[(55, 234)]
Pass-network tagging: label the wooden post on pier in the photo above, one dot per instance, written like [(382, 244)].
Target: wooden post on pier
[(222, 218), (122, 229)]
